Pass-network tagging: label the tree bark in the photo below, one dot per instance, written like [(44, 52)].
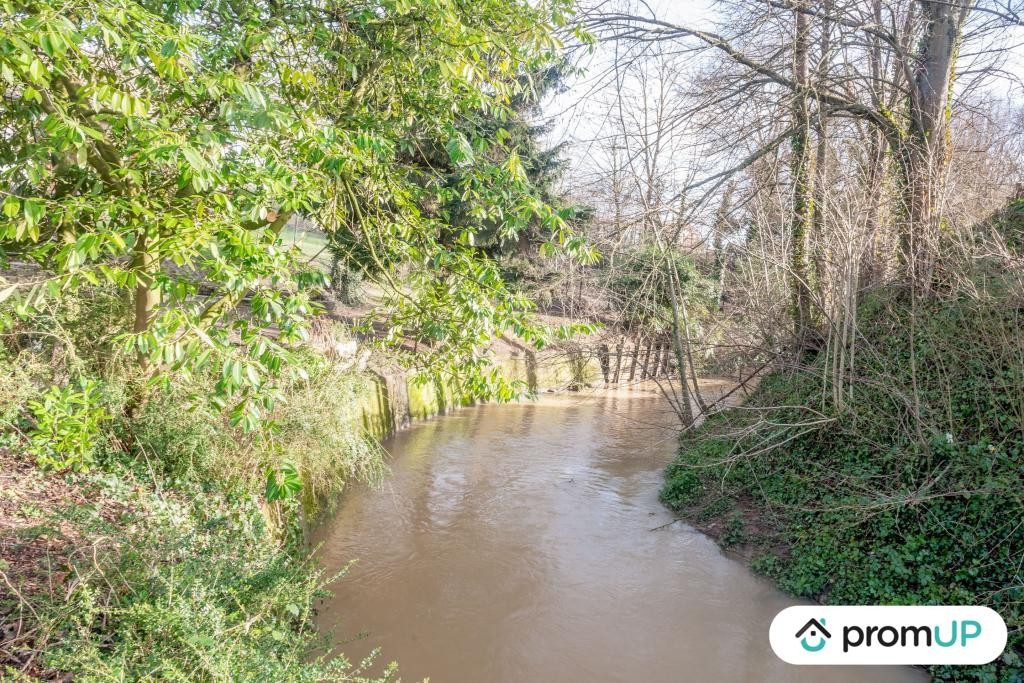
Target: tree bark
[(685, 409), (689, 355), (821, 157), (147, 296), (800, 163), (877, 163), (924, 157)]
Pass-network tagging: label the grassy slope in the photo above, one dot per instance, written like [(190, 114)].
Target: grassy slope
[(163, 562), (137, 583), (865, 507)]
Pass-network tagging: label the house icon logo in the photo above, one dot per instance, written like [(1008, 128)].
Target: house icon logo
[(814, 629)]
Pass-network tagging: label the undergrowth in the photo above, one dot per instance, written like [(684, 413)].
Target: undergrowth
[(176, 586), (315, 426), (181, 558), (910, 493)]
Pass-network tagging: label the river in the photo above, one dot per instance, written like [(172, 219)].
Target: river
[(520, 543)]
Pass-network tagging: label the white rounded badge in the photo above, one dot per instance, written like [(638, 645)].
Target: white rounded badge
[(809, 635)]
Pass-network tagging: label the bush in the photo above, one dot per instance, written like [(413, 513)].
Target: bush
[(21, 375), (185, 588), (183, 562), (681, 486), (316, 426), (69, 423), (183, 438)]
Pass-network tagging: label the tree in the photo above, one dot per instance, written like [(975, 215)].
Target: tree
[(160, 148), (921, 38), (802, 180)]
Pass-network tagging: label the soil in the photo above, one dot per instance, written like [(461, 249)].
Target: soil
[(37, 550), (760, 535)]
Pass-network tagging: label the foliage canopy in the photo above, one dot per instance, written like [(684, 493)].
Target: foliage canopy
[(160, 147)]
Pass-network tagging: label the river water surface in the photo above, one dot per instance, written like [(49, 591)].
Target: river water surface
[(514, 543)]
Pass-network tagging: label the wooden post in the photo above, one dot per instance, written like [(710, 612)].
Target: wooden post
[(658, 369), (635, 355), (646, 369), (618, 359), (604, 358)]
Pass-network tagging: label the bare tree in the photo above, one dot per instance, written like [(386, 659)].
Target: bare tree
[(921, 38)]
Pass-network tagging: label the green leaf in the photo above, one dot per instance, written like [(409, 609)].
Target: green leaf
[(460, 152), (34, 212), (12, 206), (283, 482)]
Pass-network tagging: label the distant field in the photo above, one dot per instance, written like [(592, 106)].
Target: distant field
[(313, 243)]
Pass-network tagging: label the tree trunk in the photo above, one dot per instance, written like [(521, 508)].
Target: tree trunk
[(685, 409), (871, 264), (925, 154), (800, 171), (821, 159), (722, 228), (689, 357), (147, 296), (656, 361)]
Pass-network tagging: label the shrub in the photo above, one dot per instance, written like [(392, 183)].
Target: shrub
[(681, 486), (318, 428), (315, 427), (182, 437), (202, 582), (20, 378), (185, 588), (69, 423)]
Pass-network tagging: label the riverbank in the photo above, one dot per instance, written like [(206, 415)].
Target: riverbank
[(167, 539), (907, 494), (174, 531)]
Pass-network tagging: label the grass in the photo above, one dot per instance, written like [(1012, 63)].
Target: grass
[(312, 243), (181, 585), (316, 427)]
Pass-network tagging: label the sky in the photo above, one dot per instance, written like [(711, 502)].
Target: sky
[(580, 114), (573, 110)]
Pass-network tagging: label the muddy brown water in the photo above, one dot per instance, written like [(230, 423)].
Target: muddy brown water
[(514, 543)]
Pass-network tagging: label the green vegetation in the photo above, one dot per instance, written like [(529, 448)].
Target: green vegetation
[(910, 494), (156, 287), (182, 184), (179, 556), (639, 280), (162, 150), (189, 586)]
